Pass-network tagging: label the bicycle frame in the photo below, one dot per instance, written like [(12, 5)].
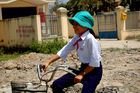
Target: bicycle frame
[(59, 67), (66, 69)]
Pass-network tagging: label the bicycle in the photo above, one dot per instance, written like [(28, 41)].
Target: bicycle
[(25, 87)]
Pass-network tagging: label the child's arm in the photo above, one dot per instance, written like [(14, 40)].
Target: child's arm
[(53, 59)]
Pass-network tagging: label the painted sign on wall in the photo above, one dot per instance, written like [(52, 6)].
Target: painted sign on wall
[(25, 31)]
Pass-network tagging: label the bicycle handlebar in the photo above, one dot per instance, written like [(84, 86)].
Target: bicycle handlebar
[(65, 68)]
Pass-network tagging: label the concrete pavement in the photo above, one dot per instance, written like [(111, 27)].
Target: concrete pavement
[(114, 43)]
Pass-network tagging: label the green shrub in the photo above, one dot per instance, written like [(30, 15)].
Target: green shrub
[(34, 46), (1, 50), (47, 47)]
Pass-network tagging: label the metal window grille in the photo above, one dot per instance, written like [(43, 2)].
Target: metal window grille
[(51, 27), (107, 22)]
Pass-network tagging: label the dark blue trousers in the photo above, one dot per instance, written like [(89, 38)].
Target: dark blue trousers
[(90, 81)]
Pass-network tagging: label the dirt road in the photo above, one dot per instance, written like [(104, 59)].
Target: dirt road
[(121, 69)]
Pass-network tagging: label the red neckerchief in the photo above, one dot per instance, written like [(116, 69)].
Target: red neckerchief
[(76, 43)]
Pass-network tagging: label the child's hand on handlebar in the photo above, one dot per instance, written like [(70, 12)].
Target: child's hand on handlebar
[(45, 65)]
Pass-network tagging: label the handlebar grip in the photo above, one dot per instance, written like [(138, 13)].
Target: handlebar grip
[(38, 70), (42, 66)]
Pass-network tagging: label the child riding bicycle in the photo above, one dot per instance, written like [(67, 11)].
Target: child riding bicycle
[(89, 53)]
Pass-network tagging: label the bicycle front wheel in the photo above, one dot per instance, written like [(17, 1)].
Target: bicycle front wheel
[(23, 87)]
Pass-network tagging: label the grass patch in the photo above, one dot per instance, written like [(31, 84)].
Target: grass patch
[(113, 49), (138, 38), (5, 57)]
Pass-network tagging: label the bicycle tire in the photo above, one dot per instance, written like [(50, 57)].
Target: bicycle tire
[(23, 87)]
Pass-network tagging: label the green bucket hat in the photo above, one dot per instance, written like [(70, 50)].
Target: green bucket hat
[(83, 18)]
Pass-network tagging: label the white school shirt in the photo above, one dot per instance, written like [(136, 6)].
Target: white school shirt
[(89, 49)]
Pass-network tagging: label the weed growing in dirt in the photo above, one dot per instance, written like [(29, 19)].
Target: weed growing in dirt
[(132, 87)]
